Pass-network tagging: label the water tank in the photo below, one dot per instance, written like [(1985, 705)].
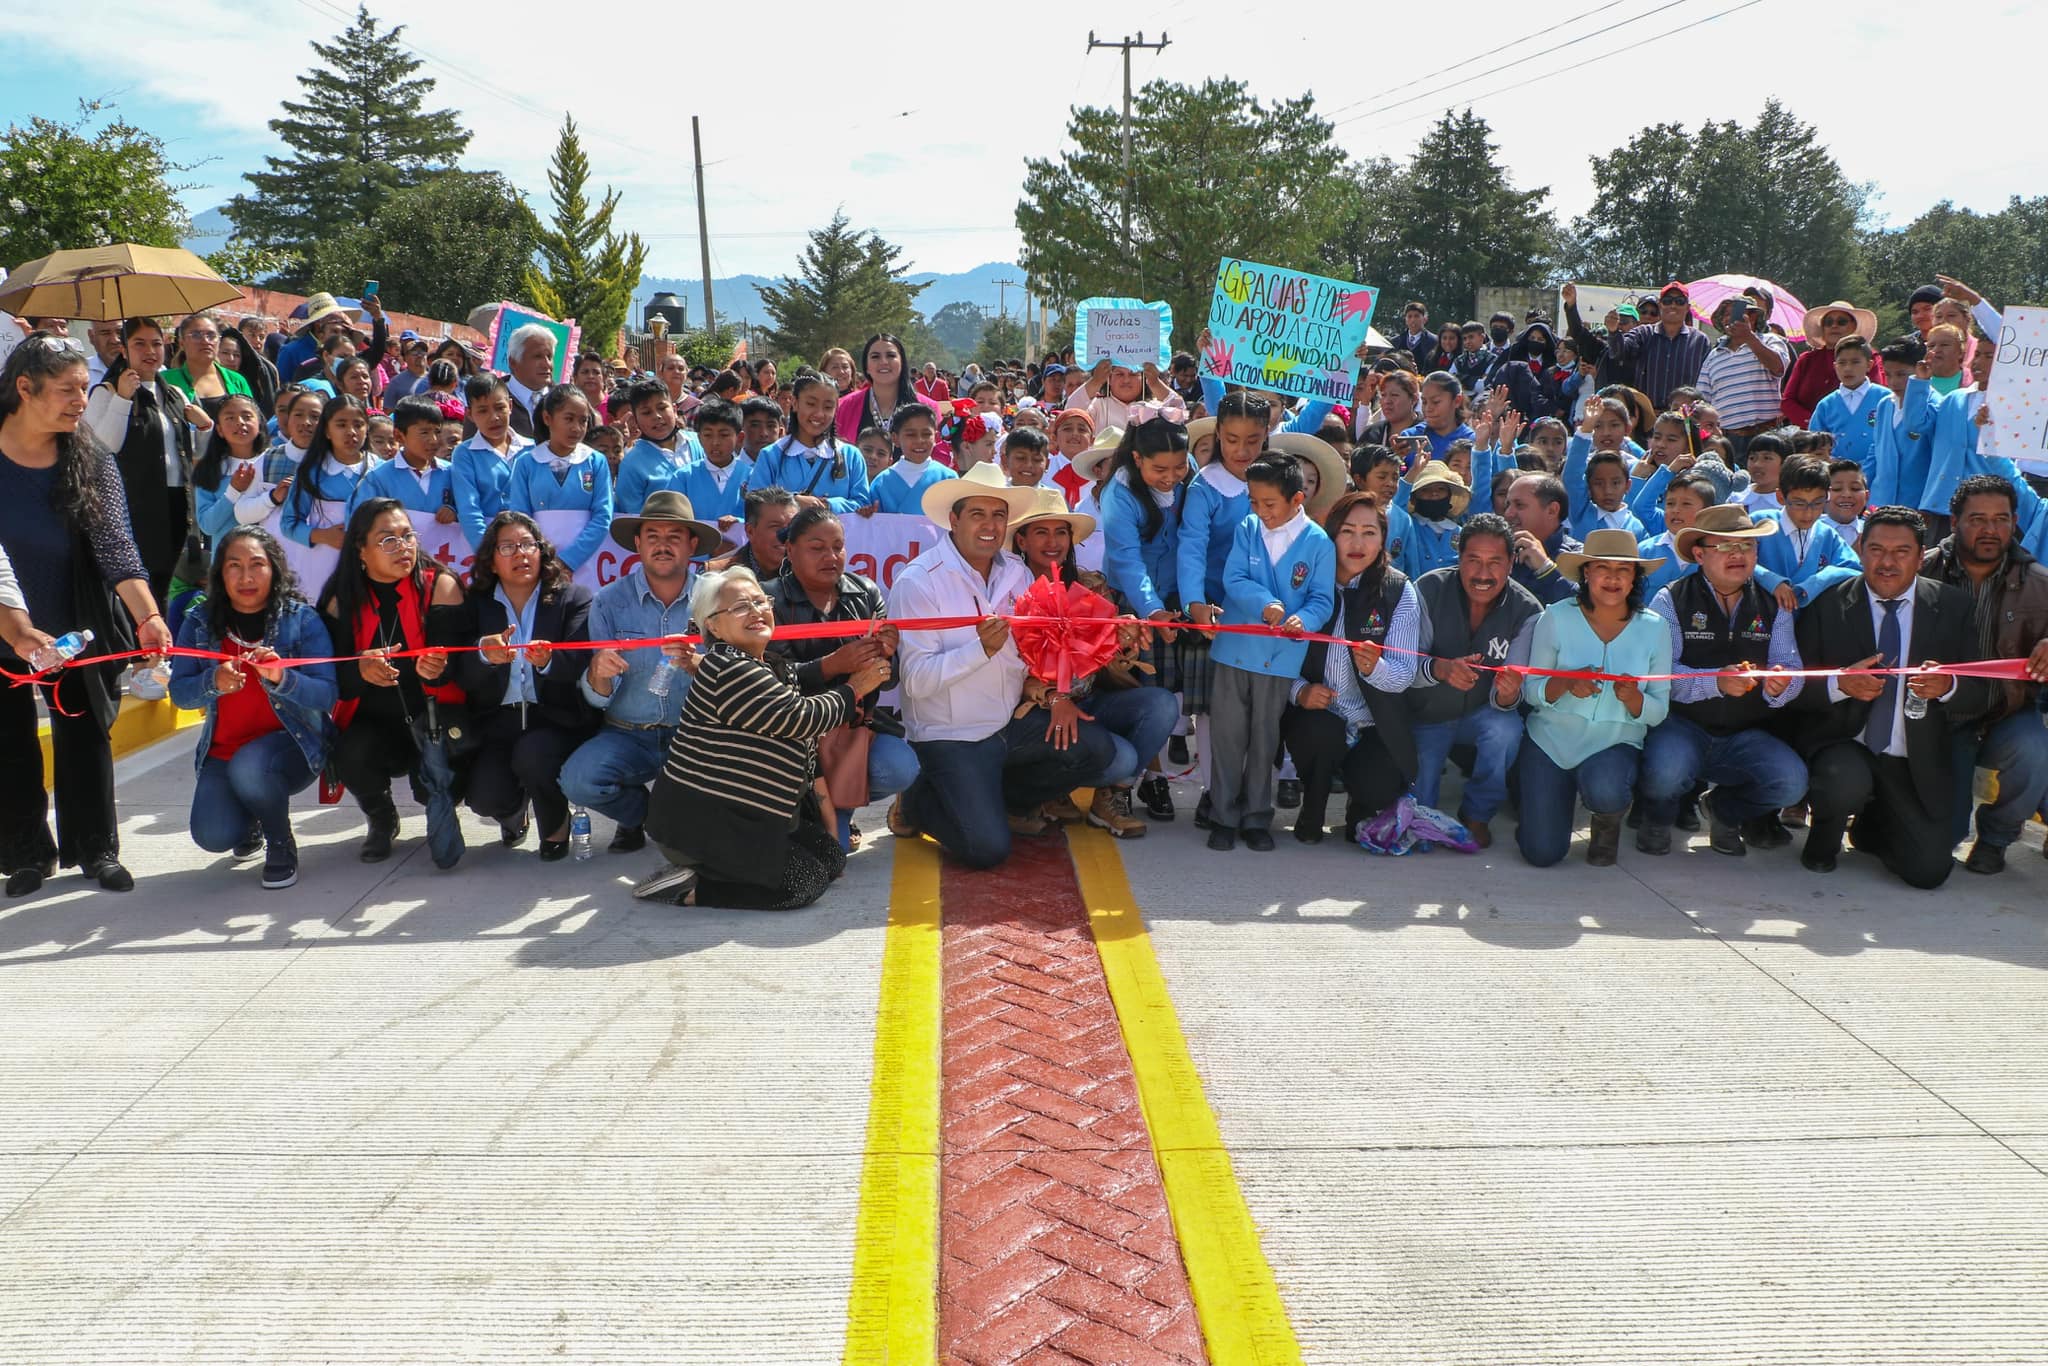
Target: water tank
[(667, 305)]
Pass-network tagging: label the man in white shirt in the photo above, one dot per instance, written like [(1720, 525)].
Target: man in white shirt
[(1743, 376), (983, 772), (1878, 747)]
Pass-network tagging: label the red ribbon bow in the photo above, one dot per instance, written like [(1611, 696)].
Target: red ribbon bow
[(1063, 631)]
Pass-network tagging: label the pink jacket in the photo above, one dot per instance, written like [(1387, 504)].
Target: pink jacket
[(854, 407)]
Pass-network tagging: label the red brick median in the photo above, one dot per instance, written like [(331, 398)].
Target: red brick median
[(1055, 1243)]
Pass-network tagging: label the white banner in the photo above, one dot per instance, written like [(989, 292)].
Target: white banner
[(2018, 395)]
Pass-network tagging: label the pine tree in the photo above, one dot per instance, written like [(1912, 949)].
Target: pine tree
[(590, 272), (359, 135), (848, 288)]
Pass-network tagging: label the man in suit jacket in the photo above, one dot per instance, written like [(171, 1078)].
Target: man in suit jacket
[(1869, 757), (530, 360), (1418, 341)]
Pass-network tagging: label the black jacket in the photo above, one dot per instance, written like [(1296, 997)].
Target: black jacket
[(1835, 631), (561, 614)]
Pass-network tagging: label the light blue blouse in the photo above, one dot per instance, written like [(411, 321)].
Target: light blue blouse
[(1574, 729)]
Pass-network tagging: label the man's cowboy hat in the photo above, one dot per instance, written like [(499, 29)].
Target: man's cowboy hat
[(1607, 546), (1334, 477), (1089, 464), (666, 505), (1049, 506), (1730, 520), (983, 481), (1866, 321), (1434, 473), (320, 307)]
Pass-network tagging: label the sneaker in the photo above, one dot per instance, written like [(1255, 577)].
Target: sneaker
[(628, 839), (1157, 795), (1288, 794), (280, 870), (249, 846), (1028, 823), (1062, 811), (1111, 811), (670, 883)]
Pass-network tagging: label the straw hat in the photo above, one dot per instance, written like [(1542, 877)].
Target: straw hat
[(1434, 473), (1199, 428), (322, 306), (983, 481), (1334, 478), (1729, 520), (1607, 546), (1640, 408), (666, 505), (1866, 321), (1089, 464), (1049, 506)]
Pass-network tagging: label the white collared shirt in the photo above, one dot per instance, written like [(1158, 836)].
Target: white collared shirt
[(1853, 399), (522, 395), (952, 689), (1896, 748), (1278, 538)]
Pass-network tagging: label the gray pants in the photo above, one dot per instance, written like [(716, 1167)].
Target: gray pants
[(1244, 726)]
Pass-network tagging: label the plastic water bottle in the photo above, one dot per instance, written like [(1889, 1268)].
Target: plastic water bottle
[(579, 836), (663, 677), (1916, 706), (68, 646)]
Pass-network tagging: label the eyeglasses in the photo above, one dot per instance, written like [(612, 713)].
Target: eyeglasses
[(396, 541), (1806, 504), (517, 547), (753, 607), (1731, 547), (202, 336)]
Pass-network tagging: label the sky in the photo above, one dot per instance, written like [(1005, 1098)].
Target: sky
[(918, 128)]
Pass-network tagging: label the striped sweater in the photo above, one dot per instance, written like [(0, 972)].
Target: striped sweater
[(747, 737)]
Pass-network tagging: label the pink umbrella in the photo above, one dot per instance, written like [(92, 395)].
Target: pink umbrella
[(1787, 313)]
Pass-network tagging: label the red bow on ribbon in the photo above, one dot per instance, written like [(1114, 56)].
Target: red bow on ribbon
[(1063, 631)]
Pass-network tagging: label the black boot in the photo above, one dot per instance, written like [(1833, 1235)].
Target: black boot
[(1605, 842), (382, 813)]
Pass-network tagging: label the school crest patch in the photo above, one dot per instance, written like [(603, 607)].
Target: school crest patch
[(1300, 574), (589, 480)]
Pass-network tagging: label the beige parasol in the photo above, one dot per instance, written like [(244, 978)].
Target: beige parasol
[(119, 281)]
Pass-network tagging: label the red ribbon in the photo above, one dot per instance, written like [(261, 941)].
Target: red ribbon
[(1064, 631)]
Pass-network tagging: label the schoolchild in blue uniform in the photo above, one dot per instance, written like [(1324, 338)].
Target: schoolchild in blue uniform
[(563, 484), (812, 462), (657, 460)]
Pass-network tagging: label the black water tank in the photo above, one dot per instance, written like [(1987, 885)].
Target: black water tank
[(667, 305)]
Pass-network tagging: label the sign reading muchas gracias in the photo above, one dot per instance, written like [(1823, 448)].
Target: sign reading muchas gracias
[(1128, 332), (1287, 331), (2019, 388)]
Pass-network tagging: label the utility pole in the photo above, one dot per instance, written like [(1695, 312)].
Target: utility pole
[(1003, 288), (703, 232), (1127, 43)]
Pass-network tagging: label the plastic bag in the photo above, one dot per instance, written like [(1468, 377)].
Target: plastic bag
[(1408, 826)]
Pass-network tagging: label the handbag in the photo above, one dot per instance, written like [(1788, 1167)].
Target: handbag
[(450, 725), (843, 764)]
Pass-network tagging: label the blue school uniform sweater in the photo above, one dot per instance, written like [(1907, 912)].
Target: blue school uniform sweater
[(787, 465), (698, 482), (1659, 547), (1855, 433), (1145, 572), (1309, 419), (586, 486), (482, 480), (1899, 452), (647, 468), (395, 479), (1209, 520), (311, 484), (1428, 545), (1303, 581), (1829, 559), (905, 497), (1585, 515), (213, 509), (1951, 450)]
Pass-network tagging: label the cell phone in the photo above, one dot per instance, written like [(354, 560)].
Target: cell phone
[(1738, 309), (369, 289)]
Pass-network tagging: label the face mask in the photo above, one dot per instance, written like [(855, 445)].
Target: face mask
[(1431, 507), (1501, 335)]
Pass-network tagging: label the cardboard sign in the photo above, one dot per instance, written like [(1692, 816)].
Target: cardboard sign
[(2018, 395), (1287, 331), (1124, 332), (511, 317)]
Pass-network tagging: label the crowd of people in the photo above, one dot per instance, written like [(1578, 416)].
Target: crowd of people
[(1684, 578)]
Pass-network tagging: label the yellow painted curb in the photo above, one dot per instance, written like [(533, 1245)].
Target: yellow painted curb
[(139, 725), (1236, 1299), (892, 1316)]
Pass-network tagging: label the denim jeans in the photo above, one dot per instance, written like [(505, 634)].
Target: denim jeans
[(1138, 721), (2017, 747), (610, 771), (892, 766), (1550, 797), (254, 787), (1495, 736), (965, 789), (1754, 773)]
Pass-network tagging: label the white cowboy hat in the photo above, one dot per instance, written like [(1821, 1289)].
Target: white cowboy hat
[(322, 306), (1048, 505), (1607, 546), (1437, 474), (1088, 464), (1333, 478), (983, 481)]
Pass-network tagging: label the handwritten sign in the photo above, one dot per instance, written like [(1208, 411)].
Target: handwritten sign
[(1287, 331), (1124, 332), (2019, 388)]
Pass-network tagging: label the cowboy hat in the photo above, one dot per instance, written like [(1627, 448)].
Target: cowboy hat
[(1866, 321), (1199, 428), (1640, 408), (1049, 506), (983, 481), (666, 505), (1607, 546), (1434, 473), (1332, 477), (1089, 463), (1723, 519), (322, 306)]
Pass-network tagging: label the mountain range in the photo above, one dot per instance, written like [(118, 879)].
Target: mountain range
[(739, 296)]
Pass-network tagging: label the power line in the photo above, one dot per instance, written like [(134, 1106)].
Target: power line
[(1467, 80), (1480, 57), (1616, 52)]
